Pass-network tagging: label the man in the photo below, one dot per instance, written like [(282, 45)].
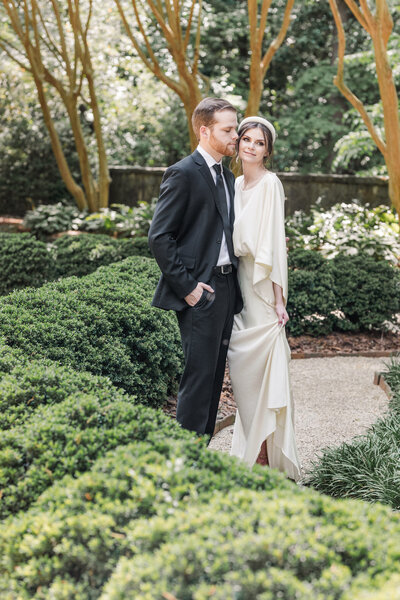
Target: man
[(191, 239)]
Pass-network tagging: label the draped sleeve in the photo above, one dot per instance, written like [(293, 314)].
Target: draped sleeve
[(260, 232)]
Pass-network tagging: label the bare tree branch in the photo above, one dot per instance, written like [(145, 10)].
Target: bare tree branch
[(277, 42), (258, 63), (339, 80), (4, 46)]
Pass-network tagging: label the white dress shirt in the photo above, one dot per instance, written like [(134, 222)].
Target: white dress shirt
[(223, 258)]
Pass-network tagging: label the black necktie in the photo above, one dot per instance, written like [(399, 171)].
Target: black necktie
[(221, 190), (222, 201)]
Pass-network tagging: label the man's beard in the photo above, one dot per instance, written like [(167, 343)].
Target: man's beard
[(221, 148)]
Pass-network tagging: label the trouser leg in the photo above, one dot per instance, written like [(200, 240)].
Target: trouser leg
[(205, 331), (221, 361)]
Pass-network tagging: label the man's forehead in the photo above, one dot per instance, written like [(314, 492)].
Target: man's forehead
[(226, 117)]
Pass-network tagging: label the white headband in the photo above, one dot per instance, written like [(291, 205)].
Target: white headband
[(261, 120)]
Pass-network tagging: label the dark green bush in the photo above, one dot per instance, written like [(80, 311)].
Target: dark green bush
[(26, 385), (28, 169), (368, 467), (355, 293), (163, 513), (311, 294), (82, 254), (9, 358), (367, 291), (24, 261), (102, 323)]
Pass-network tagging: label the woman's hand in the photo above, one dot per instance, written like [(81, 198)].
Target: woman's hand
[(281, 312)]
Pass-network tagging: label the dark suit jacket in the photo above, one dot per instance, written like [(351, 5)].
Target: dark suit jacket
[(186, 232)]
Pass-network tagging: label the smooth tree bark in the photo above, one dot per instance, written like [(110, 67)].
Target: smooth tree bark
[(379, 26), (179, 26), (51, 42), (259, 60)]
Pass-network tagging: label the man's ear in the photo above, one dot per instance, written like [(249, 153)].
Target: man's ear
[(204, 131)]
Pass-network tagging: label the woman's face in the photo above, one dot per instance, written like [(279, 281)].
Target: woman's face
[(252, 147)]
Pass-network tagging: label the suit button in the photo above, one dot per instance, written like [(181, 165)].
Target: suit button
[(218, 241)]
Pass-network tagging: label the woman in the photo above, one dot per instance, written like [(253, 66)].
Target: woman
[(258, 352)]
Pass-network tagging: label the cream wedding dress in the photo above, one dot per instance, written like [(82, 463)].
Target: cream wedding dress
[(258, 351)]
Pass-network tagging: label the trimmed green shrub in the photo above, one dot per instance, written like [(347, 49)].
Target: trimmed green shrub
[(67, 438), (26, 385), (82, 254), (249, 545), (368, 467), (102, 323), (163, 514), (9, 358), (367, 291), (77, 529), (24, 261), (311, 294), (172, 514), (355, 293)]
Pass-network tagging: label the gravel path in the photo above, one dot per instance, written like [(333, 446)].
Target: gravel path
[(335, 400)]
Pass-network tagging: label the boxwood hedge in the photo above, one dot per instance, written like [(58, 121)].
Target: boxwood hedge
[(367, 291), (82, 254), (346, 293), (26, 385), (168, 517), (356, 293), (102, 323), (249, 545), (161, 514), (311, 300), (23, 261)]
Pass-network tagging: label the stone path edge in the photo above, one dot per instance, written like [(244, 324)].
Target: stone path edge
[(379, 379), (366, 353)]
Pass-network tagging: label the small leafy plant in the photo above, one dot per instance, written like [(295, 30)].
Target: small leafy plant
[(52, 218), (347, 229)]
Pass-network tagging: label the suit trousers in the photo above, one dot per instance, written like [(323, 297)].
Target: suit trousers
[(205, 331)]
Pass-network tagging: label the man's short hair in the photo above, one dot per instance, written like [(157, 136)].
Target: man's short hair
[(204, 113)]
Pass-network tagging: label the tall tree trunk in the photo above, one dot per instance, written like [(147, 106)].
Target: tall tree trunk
[(390, 104)]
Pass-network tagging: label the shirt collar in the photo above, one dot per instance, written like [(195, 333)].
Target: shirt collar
[(207, 157)]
